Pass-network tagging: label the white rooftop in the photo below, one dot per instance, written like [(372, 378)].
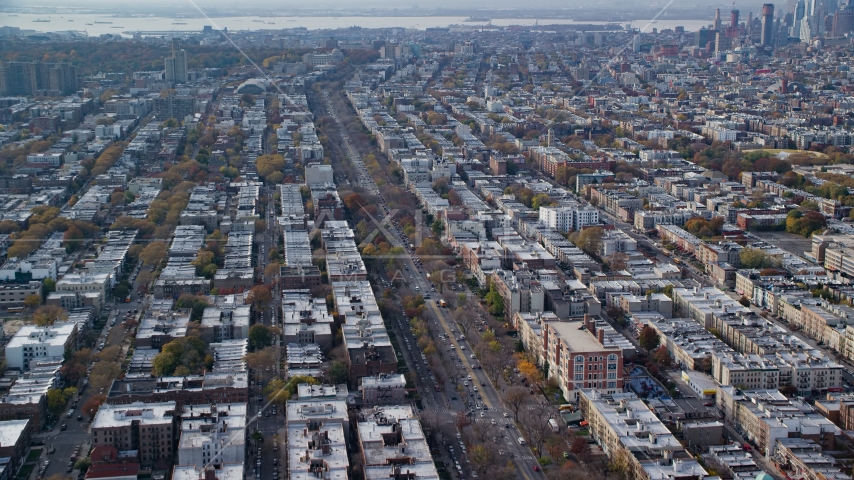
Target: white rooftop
[(228, 471), (145, 413)]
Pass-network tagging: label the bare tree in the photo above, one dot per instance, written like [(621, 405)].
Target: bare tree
[(462, 420), (535, 424), (484, 432), (432, 425), (515, 398), (493, 364), (481, 457)]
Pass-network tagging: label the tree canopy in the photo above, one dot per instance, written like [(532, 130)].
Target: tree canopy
[(182, 356)]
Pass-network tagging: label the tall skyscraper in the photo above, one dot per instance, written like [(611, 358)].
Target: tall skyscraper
[(717, 25), (176, 65), (800, 7), (767, 25)]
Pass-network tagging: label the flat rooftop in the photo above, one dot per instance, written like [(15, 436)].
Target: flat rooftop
[(11, 431), (576, 336), (228, 471), (145, 413)]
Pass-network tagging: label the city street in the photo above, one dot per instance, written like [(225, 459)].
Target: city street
[(491, 398)]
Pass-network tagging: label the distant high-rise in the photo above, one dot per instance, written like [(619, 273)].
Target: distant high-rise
[(843, 20), (37, 78), (176, 65), (176, 107), (717, 19), (767, 25), (798, 19)]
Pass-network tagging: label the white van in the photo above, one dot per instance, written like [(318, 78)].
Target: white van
[(521, 441)]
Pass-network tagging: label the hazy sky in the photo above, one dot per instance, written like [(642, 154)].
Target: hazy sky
[(349, 4)]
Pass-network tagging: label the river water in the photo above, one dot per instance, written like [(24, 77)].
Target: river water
[(98, 24)]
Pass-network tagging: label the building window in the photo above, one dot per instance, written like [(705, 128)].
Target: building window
[(612, 358)]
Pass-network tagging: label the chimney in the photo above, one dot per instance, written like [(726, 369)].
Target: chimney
[(600, 335), (210, 473)]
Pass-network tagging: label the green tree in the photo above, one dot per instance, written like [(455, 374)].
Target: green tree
[(33, 301), (338, 372), (56, 400), (153, 253), (495, 302), (183, 356), (438, 227), (276, 391), (541, 200), (589, 239), (757, 258), (121, 291), (648, 338), (48, 286), (260, 336), (83, 464), (196, 303)]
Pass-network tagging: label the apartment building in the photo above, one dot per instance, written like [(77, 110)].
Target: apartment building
[(384, 390), (318, 427), (766, 416), (12, 295), (482, 258), (160, 325), (306, 319), (565, 219), (368, 345), (625, 427), (521, 291), (343, 260), (213, 434), (749, 372), (394, 444), (617, 203), (646, 220), (654, 302), (683, 240), (804, 459), (14, 444), (616, 241), (579, 358), (303, 359), (229, 323), (148, 428), (721, 252), (33, 342), (688, 342), (703, 304), (824, 322), (211, 387), (205, 472)]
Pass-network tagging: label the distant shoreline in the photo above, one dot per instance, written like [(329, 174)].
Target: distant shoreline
[(593, 16)]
